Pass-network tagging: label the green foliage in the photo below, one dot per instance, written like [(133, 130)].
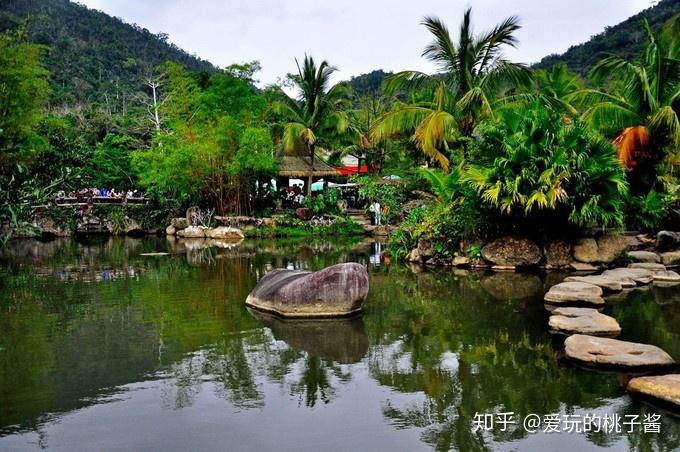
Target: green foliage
[(472, 72), (321, 203), (291, 226), (390, 194), (532, 163), (23, 92)]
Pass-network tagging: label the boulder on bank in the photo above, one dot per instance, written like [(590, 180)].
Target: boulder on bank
[(510, 251), (50, 228), (132, 227), (170, 230), (224, 233), (670, 258), (613, 353), (667, 240), (583, 321), (192, 232), (335, 291), (574, 293), (303, 213), (605, 249), (557, 254), (179, 223), (662, 388)]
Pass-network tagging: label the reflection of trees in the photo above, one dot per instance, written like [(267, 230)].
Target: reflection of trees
[(469, 353)]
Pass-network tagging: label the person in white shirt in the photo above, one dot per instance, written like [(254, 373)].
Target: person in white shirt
[(375, 209)]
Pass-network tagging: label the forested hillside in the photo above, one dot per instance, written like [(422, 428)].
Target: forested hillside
[(624, 40), (92, 57)]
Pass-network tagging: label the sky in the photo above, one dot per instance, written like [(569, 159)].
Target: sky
[(357, 36)]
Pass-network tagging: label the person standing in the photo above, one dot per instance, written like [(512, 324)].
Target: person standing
[(375, 209)]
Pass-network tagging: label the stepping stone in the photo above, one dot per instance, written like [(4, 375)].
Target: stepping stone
[(582, 267), (606, 283), (662, 388), (583, 321), (154, 254), (644, 256), (648, 266), (633, 275), (613, 353), (667, 276), (574, 293)]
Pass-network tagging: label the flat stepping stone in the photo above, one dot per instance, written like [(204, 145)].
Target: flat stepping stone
[(610, 284), (613, 353), (661, 388), (670, 258), (582, 267), (648, 266), (644, 256), (667, 276), (574, 293), (155, 254), (635, 275), (583, 321)]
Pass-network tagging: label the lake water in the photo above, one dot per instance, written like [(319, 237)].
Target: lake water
[(102, 348)]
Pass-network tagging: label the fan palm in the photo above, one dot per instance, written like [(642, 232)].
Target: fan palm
[(319, 111), (472, 71), (642, 111)]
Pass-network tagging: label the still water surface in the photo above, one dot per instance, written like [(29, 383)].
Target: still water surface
[(103, 349)]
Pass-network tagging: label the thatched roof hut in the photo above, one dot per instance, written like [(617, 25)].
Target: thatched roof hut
[(299, 167)]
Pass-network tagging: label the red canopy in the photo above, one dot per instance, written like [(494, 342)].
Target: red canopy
[(347, 170)]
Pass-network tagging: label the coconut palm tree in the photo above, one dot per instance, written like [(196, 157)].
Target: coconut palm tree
[(319, 111), (472, 71), (642, 110)]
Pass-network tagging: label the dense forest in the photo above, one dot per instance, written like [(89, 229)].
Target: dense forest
[(625, 40), (93, 58)]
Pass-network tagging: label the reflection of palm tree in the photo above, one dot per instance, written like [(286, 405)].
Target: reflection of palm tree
[(315, 382)]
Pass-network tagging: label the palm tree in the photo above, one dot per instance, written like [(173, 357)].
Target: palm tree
[(471, 72), (556, 87), (642, 111), (361, 120), (317, 114)]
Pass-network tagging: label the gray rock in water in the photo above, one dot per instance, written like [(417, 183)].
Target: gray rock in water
[(192, 232), (574, 293), (608, 283), (583, 321), (644, 256), (224, 233), (335, 291), (663, 388), (511, 251), (667, 240), (649, 266), (613, 353), (636, 276), (667, 276)]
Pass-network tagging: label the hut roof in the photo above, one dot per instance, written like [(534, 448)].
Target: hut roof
[(298, 166)]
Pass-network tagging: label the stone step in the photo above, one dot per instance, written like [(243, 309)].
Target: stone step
[(583, 321), (661, 388), (613, 353)]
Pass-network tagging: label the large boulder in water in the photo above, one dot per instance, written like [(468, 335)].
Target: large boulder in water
[(335, 291), (667, 240), (512, 252)]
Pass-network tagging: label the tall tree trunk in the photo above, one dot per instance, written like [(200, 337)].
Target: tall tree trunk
[(311, 170)]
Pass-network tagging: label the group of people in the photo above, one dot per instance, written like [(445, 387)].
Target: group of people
[(292, 197), (90, 193)]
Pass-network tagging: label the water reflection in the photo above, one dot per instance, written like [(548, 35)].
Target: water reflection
[(432, 349)]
